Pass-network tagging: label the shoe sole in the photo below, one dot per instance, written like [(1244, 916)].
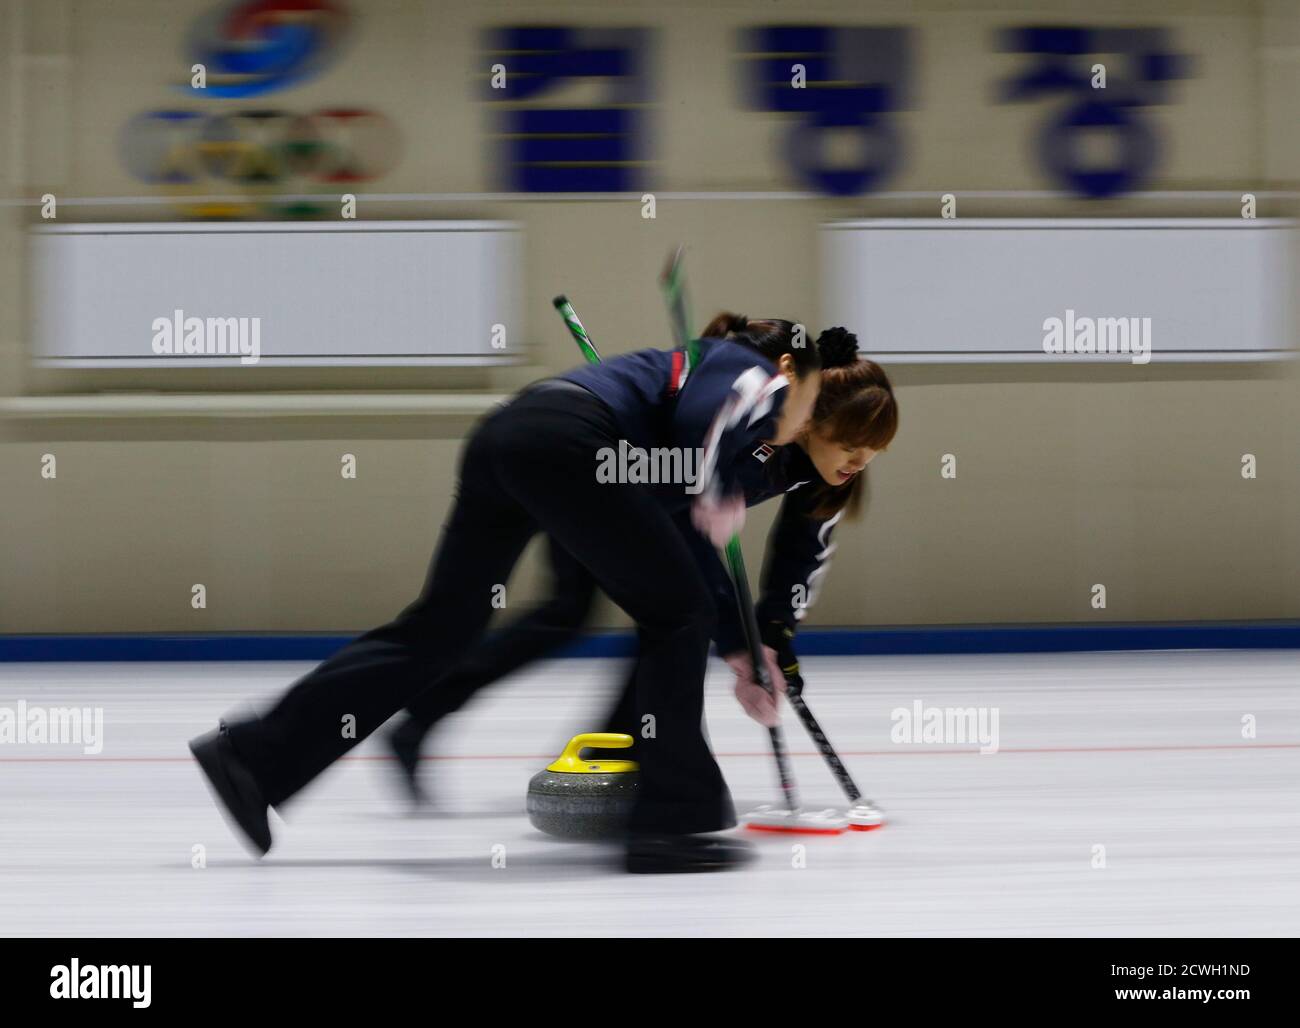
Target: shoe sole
[(661, 865), (409, 770), (213, 768)]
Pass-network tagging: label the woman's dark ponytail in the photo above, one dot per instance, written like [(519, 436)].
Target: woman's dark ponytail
[(772, 337), (725, 324)]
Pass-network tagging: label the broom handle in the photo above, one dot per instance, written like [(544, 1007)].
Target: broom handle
[(749, 622), (673, 281), (832, 758), (735, 558), (576, 329)]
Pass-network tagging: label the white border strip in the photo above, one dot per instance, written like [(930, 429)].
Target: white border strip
[(1231, 195), (248, 405), (199, 228), (1076, 361), (1065, 224)]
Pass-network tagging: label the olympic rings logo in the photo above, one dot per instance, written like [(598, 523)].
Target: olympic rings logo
[(337, 146), (255, 48), (258, 151)]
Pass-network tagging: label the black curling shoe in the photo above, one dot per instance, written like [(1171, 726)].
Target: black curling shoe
[(404, 742), (679, 854), (233, 784)]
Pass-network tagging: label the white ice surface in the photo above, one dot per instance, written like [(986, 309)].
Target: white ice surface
[(1140, 753)]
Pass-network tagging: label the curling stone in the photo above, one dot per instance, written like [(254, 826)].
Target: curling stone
[(584, 799)]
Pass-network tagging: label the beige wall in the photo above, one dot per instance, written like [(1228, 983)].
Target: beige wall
[(1067, 475)]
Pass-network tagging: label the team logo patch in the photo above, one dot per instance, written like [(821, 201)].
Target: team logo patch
[(763, 453)]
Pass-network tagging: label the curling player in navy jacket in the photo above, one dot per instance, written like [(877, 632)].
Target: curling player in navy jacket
[(819, 479), (529, 467)]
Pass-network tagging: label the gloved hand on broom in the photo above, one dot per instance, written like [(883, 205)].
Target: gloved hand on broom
[(780, 638)]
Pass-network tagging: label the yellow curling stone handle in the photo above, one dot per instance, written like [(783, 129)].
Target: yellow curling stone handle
[(571, 761)]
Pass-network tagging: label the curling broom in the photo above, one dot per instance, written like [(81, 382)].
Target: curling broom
[(789, 818)]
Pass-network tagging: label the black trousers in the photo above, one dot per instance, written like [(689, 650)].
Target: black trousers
[(529, 467), (520, 642), (537, 634)]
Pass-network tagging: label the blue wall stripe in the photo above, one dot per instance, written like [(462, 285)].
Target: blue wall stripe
[(812, 642)]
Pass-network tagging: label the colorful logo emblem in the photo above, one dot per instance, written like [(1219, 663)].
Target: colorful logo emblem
[(256, 48), (259, 153)]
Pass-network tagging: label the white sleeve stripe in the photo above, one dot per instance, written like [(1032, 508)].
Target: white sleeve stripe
[(814, 588), (748, 388), (764, 404), (824, 531), (708, 464), (813, 584)]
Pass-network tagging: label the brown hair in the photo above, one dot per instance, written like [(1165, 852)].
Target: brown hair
[(855, 407)]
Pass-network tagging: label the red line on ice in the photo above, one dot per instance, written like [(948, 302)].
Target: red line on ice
[(900, 752)]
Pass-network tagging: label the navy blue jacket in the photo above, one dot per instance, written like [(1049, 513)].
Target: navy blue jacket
[(727, 406), (723, 409)]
